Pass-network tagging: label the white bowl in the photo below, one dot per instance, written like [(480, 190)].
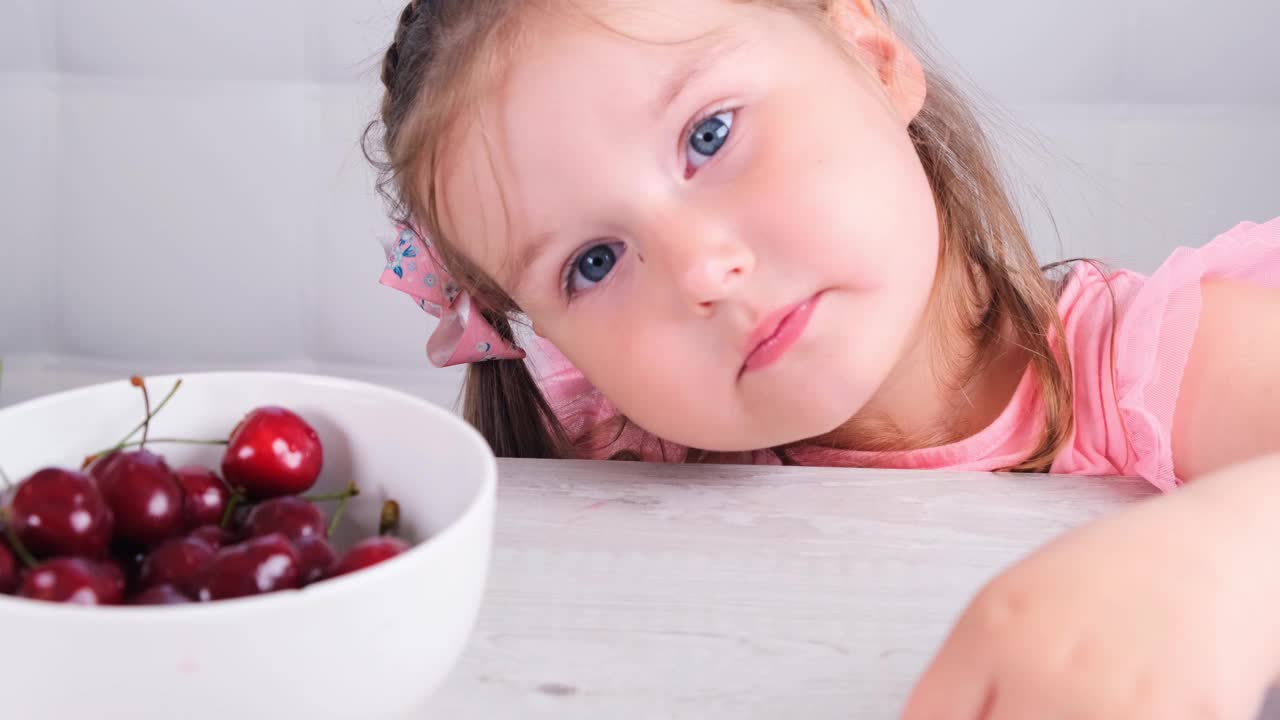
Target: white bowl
[(370, 645)]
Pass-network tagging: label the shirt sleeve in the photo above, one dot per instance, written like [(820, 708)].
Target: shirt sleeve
[(1156, 329)]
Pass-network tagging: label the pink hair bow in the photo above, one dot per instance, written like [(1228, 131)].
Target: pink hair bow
[(462, 335)]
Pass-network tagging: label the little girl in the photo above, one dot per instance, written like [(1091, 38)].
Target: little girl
[(762, 231)]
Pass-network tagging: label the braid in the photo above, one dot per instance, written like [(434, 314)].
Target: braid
[(391, 61)]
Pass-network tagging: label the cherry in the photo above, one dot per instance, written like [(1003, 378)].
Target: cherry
[(205, 496), (145, 497), (368, 552), (260, 565), (292, 517), (214, 535), (101, 463), (272, 452), (8, 570), (160, 595), (74, 580), (178, 561), (61, 512), (316, 557)]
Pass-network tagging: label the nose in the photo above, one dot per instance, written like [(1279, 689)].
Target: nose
[(708, 259)]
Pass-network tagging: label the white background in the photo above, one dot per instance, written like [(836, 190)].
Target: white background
[(181, 186)]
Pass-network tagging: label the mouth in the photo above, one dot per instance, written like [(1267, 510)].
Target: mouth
[(776, 334)]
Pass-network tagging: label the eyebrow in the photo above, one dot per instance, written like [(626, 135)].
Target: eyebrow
[(708, 49)]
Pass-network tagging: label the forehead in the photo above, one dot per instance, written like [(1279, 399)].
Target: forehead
[(578, 100)]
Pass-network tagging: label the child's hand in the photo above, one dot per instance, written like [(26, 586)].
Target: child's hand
[(1168, 610)]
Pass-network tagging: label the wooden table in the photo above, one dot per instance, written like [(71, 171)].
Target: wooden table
[(624, 590)]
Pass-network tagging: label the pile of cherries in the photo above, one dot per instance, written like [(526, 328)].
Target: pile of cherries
[(125, 528)]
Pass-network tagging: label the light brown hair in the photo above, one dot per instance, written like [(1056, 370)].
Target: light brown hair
[(445, 52)]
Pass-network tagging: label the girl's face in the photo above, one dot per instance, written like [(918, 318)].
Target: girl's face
[(730, 235)]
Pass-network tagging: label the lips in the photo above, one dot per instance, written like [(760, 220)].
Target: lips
[(776, 333)]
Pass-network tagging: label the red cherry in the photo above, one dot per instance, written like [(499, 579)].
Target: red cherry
[(145, 497), (178, 561), (160, 595), (214, 535), (316, 557), (292, 517), (261, 565), (8, 570), (205, 496), (61, 512), (368, 552), (100, 463), (74, 580), (272, 452)]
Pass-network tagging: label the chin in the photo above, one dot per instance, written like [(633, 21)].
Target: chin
[(825, 414), (789, 426)]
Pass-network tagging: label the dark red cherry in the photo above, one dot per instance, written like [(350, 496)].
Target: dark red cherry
[(368, 552), (160, 595), (61, 512), (316, 558), (216, 536), (74, 580), (272, 452), (180, 562), (292, 517), (205, 496), (260, 565), (145, 497), (8, 570)]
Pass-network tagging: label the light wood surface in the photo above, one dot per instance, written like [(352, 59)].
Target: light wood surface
[(623, 590)]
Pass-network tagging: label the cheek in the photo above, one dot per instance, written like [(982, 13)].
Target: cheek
[(900, 215), (848, 199), (613, 346), (640, 364)]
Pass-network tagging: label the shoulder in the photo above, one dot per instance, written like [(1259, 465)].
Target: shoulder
[(1167, 367), (1191, 350), (1229, 398)]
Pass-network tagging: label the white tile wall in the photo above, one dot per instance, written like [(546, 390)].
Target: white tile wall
[(28, 242), (192, 44), (181, 186), (1187, 51), (26, 36), (1040, 51), (184, 227)]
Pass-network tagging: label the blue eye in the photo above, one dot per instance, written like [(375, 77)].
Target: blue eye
[(708, 137), (593, 266)]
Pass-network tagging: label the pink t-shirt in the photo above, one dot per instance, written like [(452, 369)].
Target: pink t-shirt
[(1124, 394)]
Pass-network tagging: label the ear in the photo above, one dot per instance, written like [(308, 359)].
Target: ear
[(886, 57)]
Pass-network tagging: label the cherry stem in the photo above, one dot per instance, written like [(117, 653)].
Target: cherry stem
[(14, 541), (151, 414), (352, 491), (236, 499), (4, 478), (88, 460), (146, 404), (389, 522), (183, 441)]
